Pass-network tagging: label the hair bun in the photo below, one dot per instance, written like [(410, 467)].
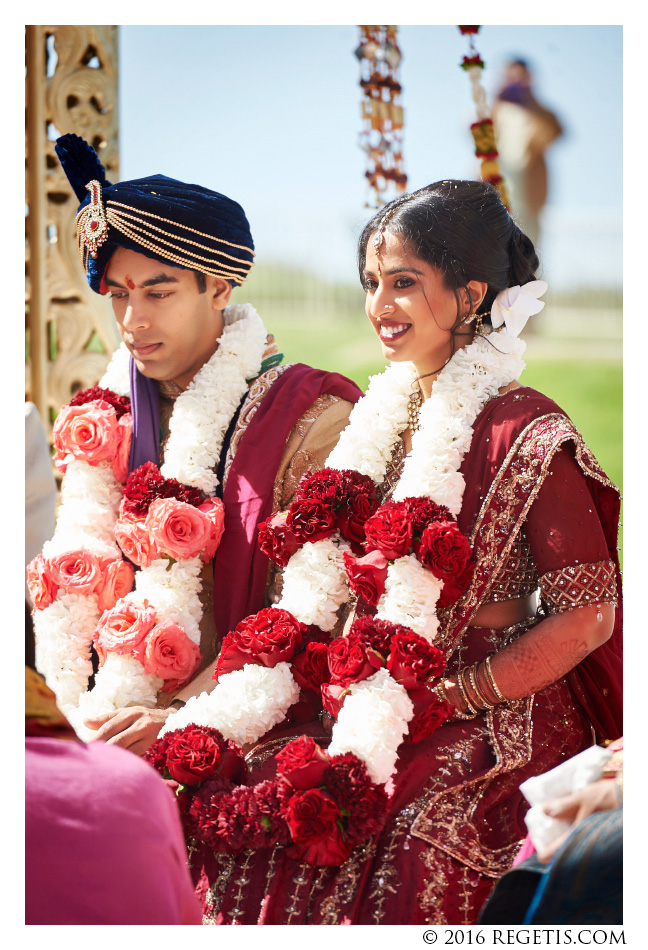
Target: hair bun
[(523, 258)]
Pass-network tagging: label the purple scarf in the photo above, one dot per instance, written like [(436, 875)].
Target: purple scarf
[(145, 409)]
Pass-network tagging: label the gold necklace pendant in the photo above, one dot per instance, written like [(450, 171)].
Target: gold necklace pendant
[(414, 404)]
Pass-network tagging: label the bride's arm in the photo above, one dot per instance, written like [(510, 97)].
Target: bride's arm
[(577, 586), (538, 658)]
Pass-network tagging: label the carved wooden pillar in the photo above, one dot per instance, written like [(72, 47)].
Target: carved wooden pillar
[(71, 87)]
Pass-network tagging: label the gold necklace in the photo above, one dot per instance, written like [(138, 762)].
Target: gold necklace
[(414, 404), (415, 400)]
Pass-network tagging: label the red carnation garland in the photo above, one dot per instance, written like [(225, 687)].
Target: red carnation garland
[(320, 807), (345, 501), (373, 644)]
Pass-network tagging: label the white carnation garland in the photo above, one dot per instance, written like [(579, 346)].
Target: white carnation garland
[(90, 501), (375, 715)]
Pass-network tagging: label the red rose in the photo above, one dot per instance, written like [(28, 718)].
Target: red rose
[(310, 667), (454, 587), (367, 575), (276, 540), (376, 633), (429, 713), (269, 637), (355, 484), (443, 549), (350, 660), (412, 661), (302, 763), (314, 820), (309, 520), (390, 531), (333, 696), (353, 515), (194, 754)]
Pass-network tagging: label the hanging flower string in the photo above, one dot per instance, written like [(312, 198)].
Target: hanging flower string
[(483, 131), (382, 112)]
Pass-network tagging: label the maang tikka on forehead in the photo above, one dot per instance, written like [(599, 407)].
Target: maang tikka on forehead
[(379, 236)]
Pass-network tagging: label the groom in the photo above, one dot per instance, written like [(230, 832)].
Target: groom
[(169, 254)]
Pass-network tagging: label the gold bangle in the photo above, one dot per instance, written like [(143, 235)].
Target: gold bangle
[(491, 680), (440, 693), (482, 682), (472, 676), (464, 693)]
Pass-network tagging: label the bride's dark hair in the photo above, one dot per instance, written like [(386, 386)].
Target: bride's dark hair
[(463, 229)]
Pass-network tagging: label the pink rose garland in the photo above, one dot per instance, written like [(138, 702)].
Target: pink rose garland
[(163, 648)]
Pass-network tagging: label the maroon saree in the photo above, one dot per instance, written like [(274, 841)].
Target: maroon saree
[(456, 816)]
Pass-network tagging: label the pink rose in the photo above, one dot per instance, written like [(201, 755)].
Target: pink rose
[(170, 654), (76, 571), (120, 461), (123, 628), (178, 529), (118, 577), (42, 588), (214, 510), (89, 432), (136, 542)]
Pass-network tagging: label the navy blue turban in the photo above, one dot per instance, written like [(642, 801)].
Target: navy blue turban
[(167, 220)]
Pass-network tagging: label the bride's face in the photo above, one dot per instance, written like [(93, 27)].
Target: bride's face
[(408, 305)]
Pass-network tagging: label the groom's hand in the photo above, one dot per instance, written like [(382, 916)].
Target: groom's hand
[(134, 727)]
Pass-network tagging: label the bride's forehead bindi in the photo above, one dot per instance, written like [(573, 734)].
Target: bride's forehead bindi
[(129, 282)]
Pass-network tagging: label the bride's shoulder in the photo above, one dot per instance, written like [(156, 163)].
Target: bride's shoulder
[(518, 405)]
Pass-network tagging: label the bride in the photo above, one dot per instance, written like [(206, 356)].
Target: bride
[(492, 539)]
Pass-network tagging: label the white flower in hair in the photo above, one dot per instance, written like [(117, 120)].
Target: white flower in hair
[(514, 305)]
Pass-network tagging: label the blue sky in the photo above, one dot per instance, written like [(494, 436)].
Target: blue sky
[(270, 115)]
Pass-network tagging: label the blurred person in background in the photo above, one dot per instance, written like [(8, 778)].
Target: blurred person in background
[(524, 129)]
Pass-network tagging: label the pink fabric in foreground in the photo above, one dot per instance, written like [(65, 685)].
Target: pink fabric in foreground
[(526, 851), (103, 839)]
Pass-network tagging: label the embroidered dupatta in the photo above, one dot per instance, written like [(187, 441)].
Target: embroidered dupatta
[(515, 439)]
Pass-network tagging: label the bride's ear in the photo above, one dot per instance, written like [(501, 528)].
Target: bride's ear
[(477, 290)]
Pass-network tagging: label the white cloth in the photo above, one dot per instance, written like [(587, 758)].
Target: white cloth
[(568, 777)]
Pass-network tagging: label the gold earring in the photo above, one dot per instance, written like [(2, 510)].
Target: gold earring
[(479, 323)]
